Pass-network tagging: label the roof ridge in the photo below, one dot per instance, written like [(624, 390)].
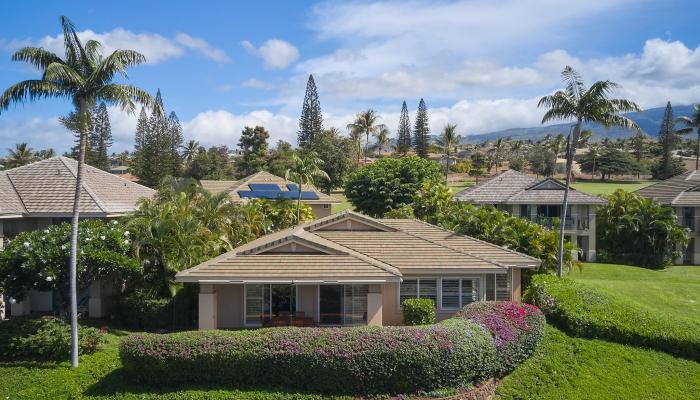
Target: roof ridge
[(12, 183), (84, 184), (479, 240)]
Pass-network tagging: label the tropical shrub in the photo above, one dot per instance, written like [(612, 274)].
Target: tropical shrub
[(462, 166), (389, 183), (46, 338), (585, 311), (355, 360), (418, 311), (39, 259), (639, 231), (403, 212), (516, 329)]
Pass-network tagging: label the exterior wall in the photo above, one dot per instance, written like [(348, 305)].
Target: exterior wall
[(391, 310), (230, 306), (321, 210), (307, 300), (41, 301), (694, 252), (516, 284)]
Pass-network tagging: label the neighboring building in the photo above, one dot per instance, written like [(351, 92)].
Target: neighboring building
[(40, 194), (540, 201), (264, 185), (123, 172), (350, 269), (682, 193)]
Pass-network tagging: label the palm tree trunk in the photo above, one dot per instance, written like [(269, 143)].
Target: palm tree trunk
[(72, 267), (569, 165), (367, 148), (697, 155), (299, 204), (447, 167)]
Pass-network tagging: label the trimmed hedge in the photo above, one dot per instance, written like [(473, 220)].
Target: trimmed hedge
[(516, 328), (418, 311), (584, 311), (362, 360), (353, 360)]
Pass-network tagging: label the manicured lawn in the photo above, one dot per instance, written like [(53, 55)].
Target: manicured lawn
[(461, 185), (605, 188), (99, 377), (344, 204), (570, 368), (673, 291)]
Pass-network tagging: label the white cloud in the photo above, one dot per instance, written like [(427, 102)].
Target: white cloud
[(154, 47), (277, 54), (258, 84), (216, 127)]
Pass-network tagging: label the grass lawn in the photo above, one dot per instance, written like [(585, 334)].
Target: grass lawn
[(570, 368), (605, 188), (673, 291), (344, 203), (99, 377)]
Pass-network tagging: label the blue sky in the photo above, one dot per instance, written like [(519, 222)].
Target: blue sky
[(481, 65)]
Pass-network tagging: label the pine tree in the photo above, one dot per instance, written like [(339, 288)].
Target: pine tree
[(668, 165), (253, 145), (311, 121), (100, 138), (404, 133), (175, 139), (421, 131)]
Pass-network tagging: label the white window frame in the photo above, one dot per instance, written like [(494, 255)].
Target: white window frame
[(438, 285), (245, 301), (480, 289)]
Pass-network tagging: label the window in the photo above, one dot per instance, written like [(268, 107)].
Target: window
[(263, 301), (326, 206), (342, 304), (418, 289), (524, 211), (456, 293)]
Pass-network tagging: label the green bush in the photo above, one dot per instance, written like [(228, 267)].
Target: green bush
[(418, 311), (587, 312), (138, 311), (354, 360), (45, 338)]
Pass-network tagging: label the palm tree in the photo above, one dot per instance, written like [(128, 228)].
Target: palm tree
[(86, 78), (692, 122), (21, 155), (594, 150), (356, 138), (449, 139), (307, 167), (382, 137), (581, 104), (190, 150), (366, 122), (496, 151)]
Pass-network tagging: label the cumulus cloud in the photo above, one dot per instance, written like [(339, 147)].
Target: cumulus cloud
[(156, 48), (216, 127), (277, 54), (258, 84)]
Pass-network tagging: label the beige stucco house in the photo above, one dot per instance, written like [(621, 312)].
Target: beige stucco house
[(540, 200), (350, 269), (264, 185), (40, 194), (682, 193)]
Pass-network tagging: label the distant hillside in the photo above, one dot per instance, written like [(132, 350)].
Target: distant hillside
[(649, 120)]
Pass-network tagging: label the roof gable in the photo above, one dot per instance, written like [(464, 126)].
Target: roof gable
[(548, 184)]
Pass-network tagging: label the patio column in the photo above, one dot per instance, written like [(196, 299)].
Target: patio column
[(95, 303), (207, 307), (591, 256), (374, 305)]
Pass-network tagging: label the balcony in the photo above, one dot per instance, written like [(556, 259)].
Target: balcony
[(571, 223)]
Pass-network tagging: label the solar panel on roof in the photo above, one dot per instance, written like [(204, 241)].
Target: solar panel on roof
[(264, 186), (292, 187), (272, 195)]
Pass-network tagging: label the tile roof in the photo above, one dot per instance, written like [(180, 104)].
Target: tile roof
[(513, 187), (233, 187), (681, 190), (47, 188), (369, 249)]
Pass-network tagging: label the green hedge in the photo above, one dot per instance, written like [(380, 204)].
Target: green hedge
[(418, 311), (44, 338), (585, 311), (138, 311), (359, 360)]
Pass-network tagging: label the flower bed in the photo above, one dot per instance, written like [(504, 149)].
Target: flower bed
[(354, 360), (587, 312)]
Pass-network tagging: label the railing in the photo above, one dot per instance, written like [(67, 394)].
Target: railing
[(571, 223)]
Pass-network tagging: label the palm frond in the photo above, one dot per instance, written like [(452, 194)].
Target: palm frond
[(125, 96), (63, 73), (116, 63), (30, 90), (36, 56), (573, 83)]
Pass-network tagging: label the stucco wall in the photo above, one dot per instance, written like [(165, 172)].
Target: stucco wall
[(230, 302), (308, 300), (319, 210)]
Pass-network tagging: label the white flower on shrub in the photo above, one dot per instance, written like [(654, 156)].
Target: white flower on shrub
[(63, 247), (126, 233), (126, 241), (26, 244), (114, 222), (49, 279), (102, 237)]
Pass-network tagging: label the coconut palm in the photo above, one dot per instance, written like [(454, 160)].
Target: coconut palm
[(307, 167), (21, 155), (382, 138), (189, 150), (583, 104), (356, 138), (692, 123), (495, 152), (449, 140), (366, 122), (84, 77)]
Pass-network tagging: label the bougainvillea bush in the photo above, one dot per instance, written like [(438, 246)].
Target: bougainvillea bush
[(516, 328), (360, 360), (585, 311), (483, 341)]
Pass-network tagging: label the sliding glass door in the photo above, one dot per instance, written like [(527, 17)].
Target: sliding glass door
[(264, 301), (342, 304)]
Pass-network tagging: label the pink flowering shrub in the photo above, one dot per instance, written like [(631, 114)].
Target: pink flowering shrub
[(516, 329)]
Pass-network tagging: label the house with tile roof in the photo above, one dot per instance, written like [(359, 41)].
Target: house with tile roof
[(682, 193), (40, 194), (540, 200), (350, 269), (268, 186)]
